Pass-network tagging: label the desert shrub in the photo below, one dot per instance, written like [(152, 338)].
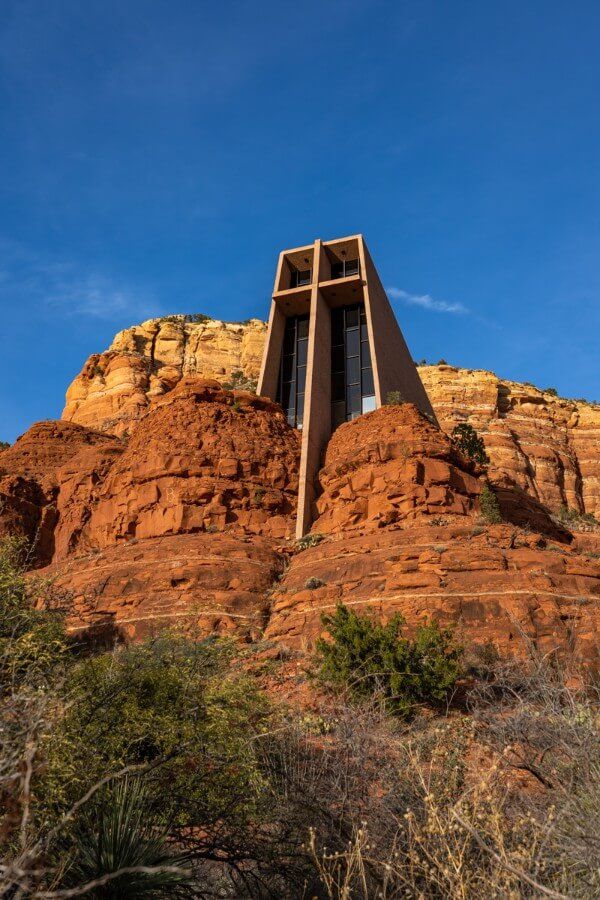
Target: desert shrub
[(468, 442), (394, 398), (550, 390), (308, 540), (312, 583), (240, 382), (32, 640), (489, 506), (575, 518), (4, 445), (441, 362), (120, 830), (368, 657), (169, 707)]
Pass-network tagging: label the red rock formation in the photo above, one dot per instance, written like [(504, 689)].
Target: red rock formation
[(399, 508), (201, 459), (39, 475), (392, 465), (200, 583), (547, 445), (186, 524)]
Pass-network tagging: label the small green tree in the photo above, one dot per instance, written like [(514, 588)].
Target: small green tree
[(489, 506), (367, 658), (4, 445), (468, 442)]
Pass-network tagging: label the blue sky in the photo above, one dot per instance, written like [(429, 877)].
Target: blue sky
[(155, 155)]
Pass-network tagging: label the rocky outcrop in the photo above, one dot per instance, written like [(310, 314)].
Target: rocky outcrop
[(189, 523), (389, 466), (178, 525), (42, 473), (548, 446), (147, 360), (202, 459), (403, 533), (199, 583)]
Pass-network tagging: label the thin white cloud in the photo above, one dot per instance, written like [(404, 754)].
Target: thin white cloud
[(425, 301), (97, 297), (68, 289)]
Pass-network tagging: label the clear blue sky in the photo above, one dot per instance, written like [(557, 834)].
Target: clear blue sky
[(155, 155)]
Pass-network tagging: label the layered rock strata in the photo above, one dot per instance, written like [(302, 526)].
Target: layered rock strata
[(147, 360), (549, 446), (399, 512)]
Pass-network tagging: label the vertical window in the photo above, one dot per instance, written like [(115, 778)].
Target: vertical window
[(292, 370), (352, 387), (299, 277), (345, 267)]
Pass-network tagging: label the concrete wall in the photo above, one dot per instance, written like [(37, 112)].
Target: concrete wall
[(393, 366)]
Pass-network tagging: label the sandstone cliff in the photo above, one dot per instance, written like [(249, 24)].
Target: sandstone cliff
[(189, 521), (547, 445)]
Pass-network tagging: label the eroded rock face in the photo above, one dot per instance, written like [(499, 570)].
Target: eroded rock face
[(42, 473), (201, 459), (403, 534), (494, 583), (147, 360), (388, 466), (548, 446), (198, 583)]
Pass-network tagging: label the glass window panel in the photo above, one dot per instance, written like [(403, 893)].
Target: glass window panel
[(337, 359), (302, 326), (368, 403), (288, 394), (289, 338), (337, 327), (287, 368), (353, 370), (338, 413), (301, 379), (368, 386), (300, 410), (364, 331), (304, 277), (302, 352), (351, 316), (365, 352), (354, 400), (291, 417), (351, 267), (338, 386), (337, 270), (363, 316), (352, 342)]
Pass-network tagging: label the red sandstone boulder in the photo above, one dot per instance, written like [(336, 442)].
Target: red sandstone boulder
[(389, 466)]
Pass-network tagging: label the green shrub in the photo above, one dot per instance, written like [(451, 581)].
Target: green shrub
[(489, 506), (4, 445), (394, 398), (370, 658), (172, 709), (240, 382), (442, 362), (468, 442), (32, 641), (312, 583), (573, 517), (309, 540), (550, 390)]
